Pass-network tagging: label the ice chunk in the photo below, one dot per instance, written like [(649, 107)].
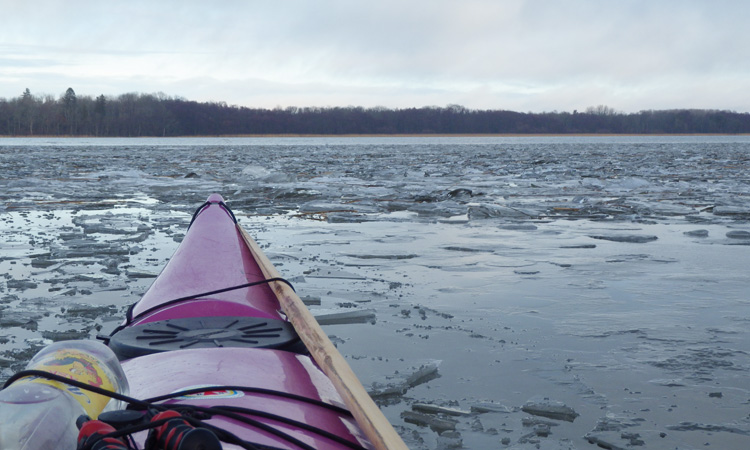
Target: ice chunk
[(429, 408), (493, 211), (67, 335), (437, 424), (519, 227), (140, 274), (736, 428), (627, 184), (21, 285), (551, 409), (386, 256), (537, 422), (310, 300), (399, 383), (449, 439), (23, 319), (485, 407), (611, 422), (461, 193), (334, 273), (630, 238), (255, 172), (609, 440), (731, 211), (43, 262), (360, 316), (668, 382), (575, 246), (90, 311), (667, 209), (321, 206), (609, 433)]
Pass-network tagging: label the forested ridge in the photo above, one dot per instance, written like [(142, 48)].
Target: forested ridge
[(136, 114)]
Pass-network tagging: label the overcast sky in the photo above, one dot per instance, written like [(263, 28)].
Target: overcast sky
[(533, 55)]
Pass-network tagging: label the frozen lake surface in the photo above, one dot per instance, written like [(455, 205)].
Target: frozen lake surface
[(552, 293)]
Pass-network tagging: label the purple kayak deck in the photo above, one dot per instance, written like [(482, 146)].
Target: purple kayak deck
[(214, 256), (163, 373)]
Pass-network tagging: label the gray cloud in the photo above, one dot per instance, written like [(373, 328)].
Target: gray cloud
[(515, 54)]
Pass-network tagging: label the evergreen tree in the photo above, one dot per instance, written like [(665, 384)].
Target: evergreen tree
[(100, 109), (28, 111), (69, 103)]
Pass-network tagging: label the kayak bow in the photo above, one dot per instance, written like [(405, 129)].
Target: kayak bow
[(220, 331)]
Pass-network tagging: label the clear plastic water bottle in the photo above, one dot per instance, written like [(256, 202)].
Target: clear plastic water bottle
[(40, 414)]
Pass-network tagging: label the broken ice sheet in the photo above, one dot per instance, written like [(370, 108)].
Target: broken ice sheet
[(88, 311), (697, 233), (437, 424), (577, 186), (542, 406), (738, 234), (333, 273), (613, 432), (629, 238), (732, 211), (382, 256), (616, 440), (429, 408), (485, 407), (400, 382), (346, 317), (741, 427)]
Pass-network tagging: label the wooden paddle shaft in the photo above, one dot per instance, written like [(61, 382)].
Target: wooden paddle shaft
[(372, 421)]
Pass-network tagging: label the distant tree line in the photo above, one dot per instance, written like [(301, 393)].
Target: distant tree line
[(135, 114)]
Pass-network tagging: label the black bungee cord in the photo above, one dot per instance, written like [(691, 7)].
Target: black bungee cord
[(235, 413), (129, 318)]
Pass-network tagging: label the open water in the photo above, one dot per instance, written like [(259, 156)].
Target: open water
[(552, 293)]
